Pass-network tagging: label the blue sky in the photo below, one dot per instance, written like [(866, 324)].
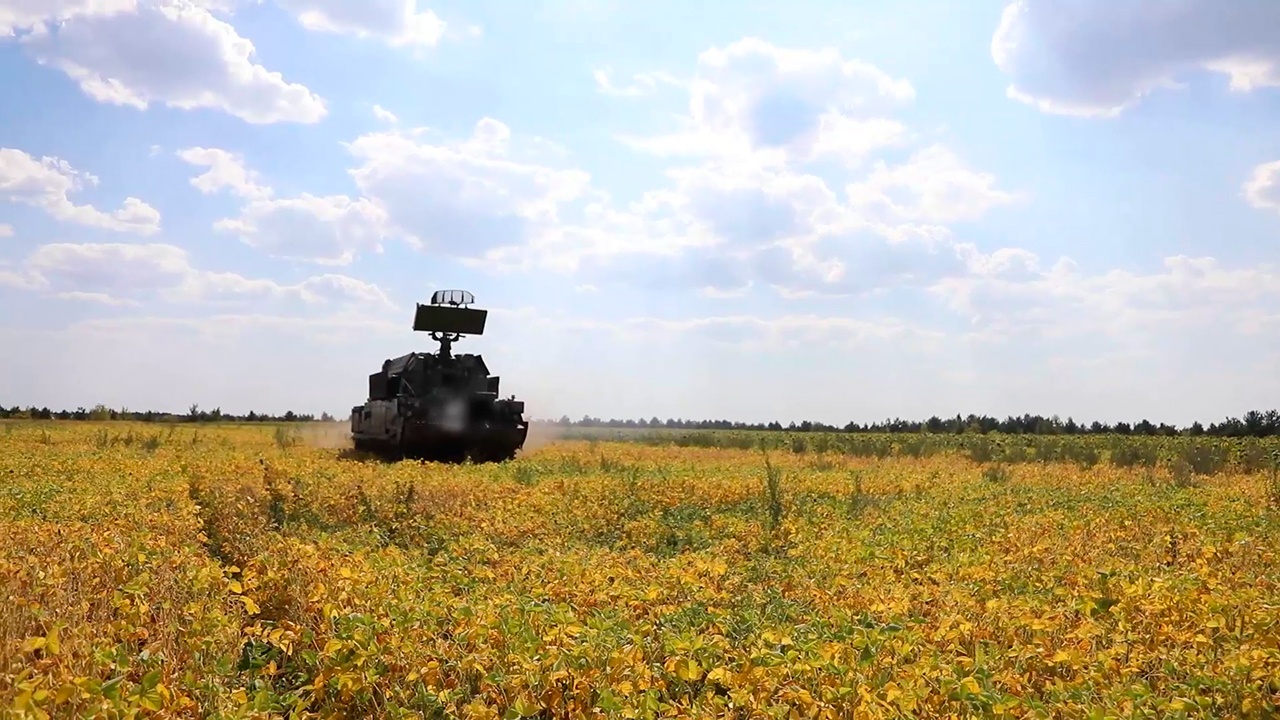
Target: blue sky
[(743, 210)]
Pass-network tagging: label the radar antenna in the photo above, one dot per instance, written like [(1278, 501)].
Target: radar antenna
[(448, 318)]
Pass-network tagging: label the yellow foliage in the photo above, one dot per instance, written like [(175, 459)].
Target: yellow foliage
[(213, 572)]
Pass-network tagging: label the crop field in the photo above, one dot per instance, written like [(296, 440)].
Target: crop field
[(265, 571)]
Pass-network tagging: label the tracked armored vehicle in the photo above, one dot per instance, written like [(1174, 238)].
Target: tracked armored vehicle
[(440, 406)]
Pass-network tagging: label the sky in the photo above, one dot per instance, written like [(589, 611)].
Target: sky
[(724, 210)]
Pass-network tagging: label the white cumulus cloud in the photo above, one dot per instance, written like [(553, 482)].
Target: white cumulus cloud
[(754, 214), (1187, 292), (1097, 57), (644, 83), (752, 97), (46, 183), (225, 170), (780, 193), (463, 198), (932, 186), (123, 273), (329, 230), (385, 115), (28, 15), (108, 267), (1262, 190), (397, 22), (172, 52)]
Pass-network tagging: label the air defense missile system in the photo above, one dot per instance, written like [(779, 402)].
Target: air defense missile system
[(440, 406)]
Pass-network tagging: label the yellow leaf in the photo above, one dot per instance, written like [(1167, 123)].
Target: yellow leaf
[(688, 669), (719, 675), (52, 643)]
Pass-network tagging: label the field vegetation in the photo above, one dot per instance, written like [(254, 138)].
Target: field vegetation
[(265, 571)]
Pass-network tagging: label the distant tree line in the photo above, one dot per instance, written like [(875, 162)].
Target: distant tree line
[(193, 414), (1255, 423)]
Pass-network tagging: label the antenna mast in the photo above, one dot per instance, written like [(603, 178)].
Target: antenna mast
[(448, 318)]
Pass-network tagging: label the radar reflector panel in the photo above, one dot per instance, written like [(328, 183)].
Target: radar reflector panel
[(449, 319)]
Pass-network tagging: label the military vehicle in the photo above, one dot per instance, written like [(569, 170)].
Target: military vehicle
[(440, 406)]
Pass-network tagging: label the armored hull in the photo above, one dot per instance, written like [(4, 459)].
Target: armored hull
[(409, 429), (440, 406)]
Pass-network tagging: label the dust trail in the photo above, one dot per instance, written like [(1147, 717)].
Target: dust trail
[(335, 435), (541, 435)]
